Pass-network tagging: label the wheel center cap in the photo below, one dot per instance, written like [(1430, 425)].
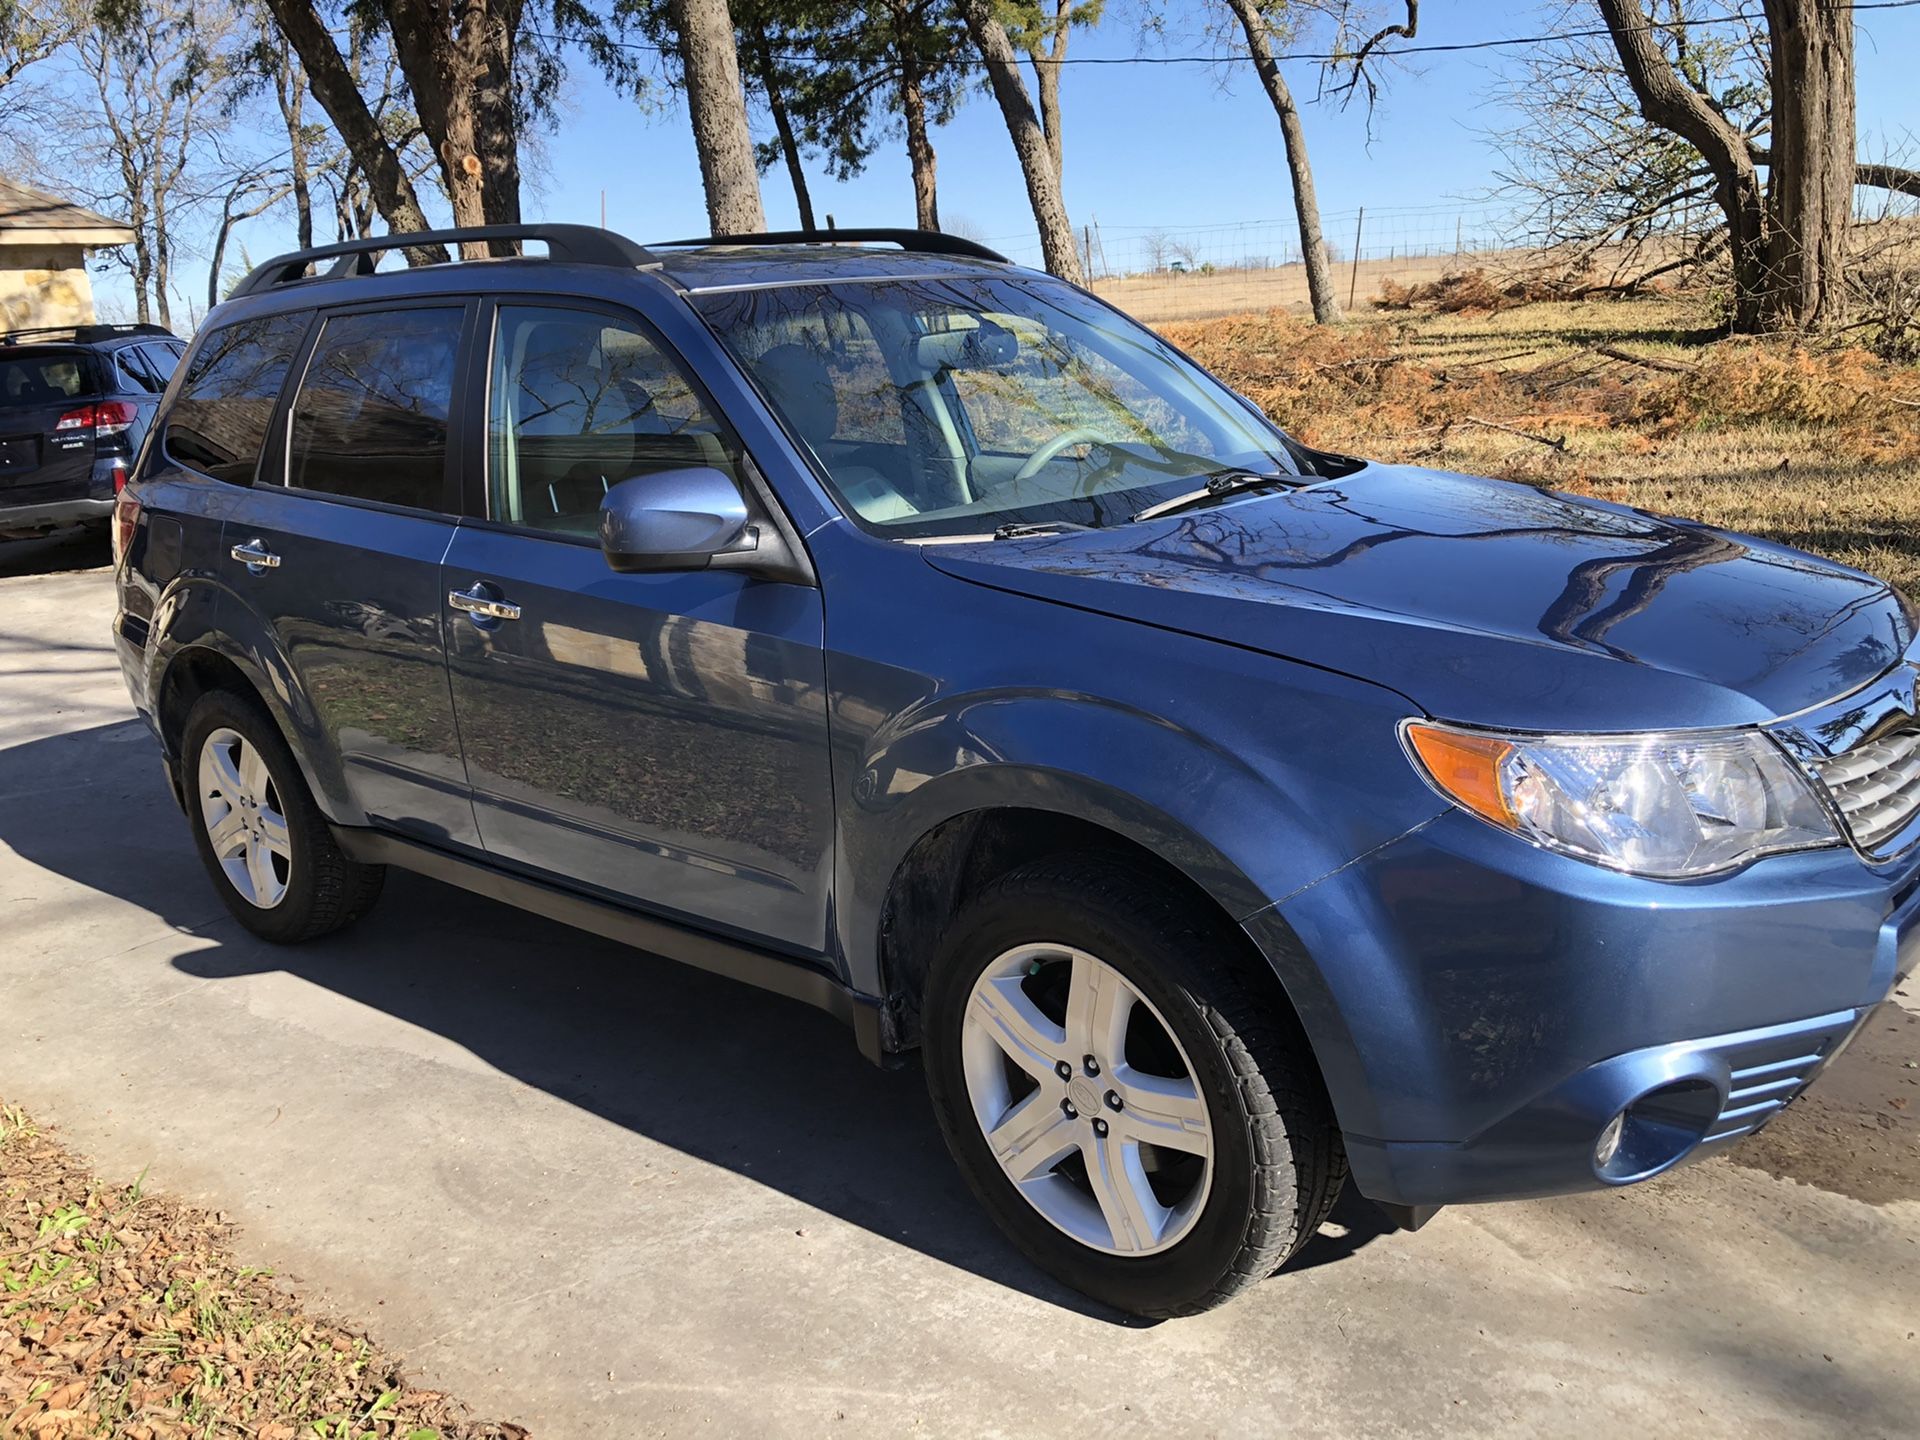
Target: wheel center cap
[(1084, 1095)]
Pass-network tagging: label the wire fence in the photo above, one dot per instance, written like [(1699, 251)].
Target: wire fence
[(1163, 273), (1191, 272)]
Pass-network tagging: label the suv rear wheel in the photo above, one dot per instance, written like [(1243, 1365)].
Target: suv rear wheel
[(1137, 1122), (261, 837)]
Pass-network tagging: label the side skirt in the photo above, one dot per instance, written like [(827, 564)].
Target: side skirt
[(703, 951)]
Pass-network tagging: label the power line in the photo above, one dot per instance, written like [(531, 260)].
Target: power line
[(1325, 56)]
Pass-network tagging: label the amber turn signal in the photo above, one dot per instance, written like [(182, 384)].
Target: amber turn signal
[(1465, 768)]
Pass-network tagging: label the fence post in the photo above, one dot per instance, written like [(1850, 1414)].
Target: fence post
[(1353, 285)]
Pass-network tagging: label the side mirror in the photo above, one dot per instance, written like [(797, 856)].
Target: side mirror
[(675, 520)]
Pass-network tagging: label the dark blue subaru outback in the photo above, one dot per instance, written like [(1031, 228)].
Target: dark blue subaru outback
[(914, 635)]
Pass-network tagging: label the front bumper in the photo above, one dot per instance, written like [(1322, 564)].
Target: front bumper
[(1483, 1009)]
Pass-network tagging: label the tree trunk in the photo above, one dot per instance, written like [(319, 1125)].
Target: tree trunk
[(486, 42), (293, 103), (389, 189), (1057, 247), (443, 78), (718, 108), (1046, 81), (1306, 204), (769, 79), (1810, 176), (913, 110)]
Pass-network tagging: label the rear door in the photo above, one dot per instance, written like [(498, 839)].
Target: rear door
[(337, 547), (46, 422), (661, 738)]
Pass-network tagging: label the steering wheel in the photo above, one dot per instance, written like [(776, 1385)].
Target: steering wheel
[(1080, 435)]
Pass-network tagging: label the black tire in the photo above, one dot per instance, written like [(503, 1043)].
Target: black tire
[(325, 891), (1277, 1157)]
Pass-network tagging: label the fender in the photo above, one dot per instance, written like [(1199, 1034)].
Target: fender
[(199, 611), (1229, 825)]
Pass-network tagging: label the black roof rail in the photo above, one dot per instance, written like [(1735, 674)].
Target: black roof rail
[(925, 242), (82, 334), (566, 244)]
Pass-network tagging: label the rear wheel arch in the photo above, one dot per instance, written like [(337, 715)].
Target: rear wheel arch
[(199, 669)]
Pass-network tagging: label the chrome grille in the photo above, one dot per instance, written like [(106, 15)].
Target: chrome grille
[(1876, 786)]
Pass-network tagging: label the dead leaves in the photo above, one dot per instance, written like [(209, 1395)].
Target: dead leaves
[(124, 1313)]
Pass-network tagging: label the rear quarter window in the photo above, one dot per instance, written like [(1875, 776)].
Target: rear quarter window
[(220, 419)]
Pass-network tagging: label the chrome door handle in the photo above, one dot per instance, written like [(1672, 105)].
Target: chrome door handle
[(255, 556), (484, 606)]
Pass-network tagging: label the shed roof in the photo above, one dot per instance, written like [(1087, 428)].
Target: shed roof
[(29, 217)]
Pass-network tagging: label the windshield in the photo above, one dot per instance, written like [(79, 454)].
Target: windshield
[(954, 406)]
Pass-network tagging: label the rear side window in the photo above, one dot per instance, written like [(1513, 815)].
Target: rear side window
[(221, 417), (163, 360), (49, 378), (370, 419), (138, 372)]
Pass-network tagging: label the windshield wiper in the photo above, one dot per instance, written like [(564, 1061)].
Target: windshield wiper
[(1019, 529), (1218, 487)]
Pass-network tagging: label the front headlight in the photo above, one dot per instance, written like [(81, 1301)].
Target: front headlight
[(1667, 805)]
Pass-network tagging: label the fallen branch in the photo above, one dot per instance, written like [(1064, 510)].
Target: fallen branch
[(1359, 361), (1651, 362), (1552, 442)]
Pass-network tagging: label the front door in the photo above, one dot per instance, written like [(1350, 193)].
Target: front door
[(661, 738), (338, 546)]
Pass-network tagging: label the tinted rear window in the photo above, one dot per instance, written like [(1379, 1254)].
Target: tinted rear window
[(370, 420), (49, 377), (221, 417)]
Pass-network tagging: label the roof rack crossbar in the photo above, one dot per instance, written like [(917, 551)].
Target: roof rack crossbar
[(567, 244), (926, 242), (82, 334)]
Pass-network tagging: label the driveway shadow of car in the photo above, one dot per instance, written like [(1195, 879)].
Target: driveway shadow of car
[(669, 1052)]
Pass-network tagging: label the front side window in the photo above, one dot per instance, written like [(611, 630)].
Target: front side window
[(221, 417), (951, 406), (579, 402), (370, 419)]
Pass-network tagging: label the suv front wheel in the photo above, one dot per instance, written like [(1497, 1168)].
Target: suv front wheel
[(1136, 1121), (263, 840)]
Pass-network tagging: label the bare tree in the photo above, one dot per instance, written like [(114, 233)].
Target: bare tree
[(1041, 28), (28, 36), (718, 108), (1256, 27), (1602, 187), (1057, 247), (1357, 38), (1786, 235), (336, 85), (145, 151)]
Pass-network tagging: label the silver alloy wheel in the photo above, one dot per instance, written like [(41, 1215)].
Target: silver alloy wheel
[(240, 806), (1118, 1157)]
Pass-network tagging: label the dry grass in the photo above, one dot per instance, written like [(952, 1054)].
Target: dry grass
[(124, 1314), (1817, 448)]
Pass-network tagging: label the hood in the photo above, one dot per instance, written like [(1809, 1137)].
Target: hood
[(1484, 601)]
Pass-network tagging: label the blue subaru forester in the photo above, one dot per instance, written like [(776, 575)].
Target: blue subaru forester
[(915, 635)]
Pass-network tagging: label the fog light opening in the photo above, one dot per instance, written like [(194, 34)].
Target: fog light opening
[(1656, 1131), (1609, 1143)]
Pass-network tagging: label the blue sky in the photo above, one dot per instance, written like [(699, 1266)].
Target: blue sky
[(1148, 146)]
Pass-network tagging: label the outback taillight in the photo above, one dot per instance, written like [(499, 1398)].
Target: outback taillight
[(126, 515), (104, 417)]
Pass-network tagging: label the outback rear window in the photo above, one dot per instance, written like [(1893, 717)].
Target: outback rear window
[(218, 423), (46, 378)]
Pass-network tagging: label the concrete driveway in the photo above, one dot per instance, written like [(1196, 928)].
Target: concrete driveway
[(605, 1196)]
